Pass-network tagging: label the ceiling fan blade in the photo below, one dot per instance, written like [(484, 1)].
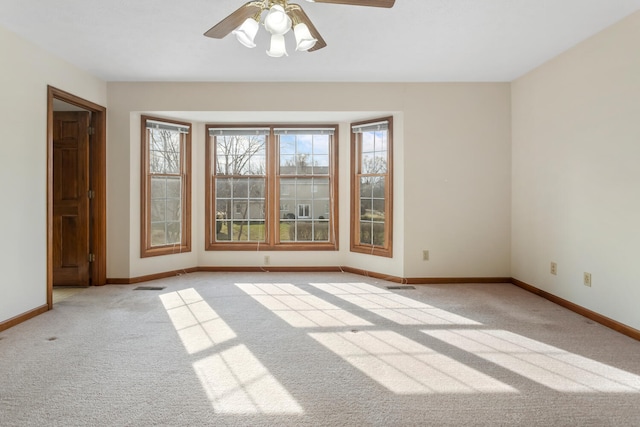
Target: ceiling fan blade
[(233, 21), (373, 3), (298, 14)]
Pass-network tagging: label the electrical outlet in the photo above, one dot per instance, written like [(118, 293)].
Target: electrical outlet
[(267, 260), (554, 268), (587, 279), (425, 255)]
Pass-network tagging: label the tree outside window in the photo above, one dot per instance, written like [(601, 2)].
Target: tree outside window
[(240, 180)]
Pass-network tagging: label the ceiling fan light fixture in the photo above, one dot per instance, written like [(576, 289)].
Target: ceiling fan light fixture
[(278, 18), (277, 22), (246, 33), (304, 39), (277, 48)]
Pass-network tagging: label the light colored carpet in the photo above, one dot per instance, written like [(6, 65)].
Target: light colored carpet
[(62, 293), (317, 349)]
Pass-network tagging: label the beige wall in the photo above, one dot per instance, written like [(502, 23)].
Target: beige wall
[(457, 181), (26, 72), (452, 170), (576, 180)]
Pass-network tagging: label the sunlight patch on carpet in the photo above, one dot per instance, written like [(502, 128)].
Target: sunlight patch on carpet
[(299, 308), (405, 367), (391, 306), (237, 383), (198, 325), (233, 378), (550, 366)]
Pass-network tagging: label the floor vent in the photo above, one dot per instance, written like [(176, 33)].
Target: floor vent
[(149, 288), (401, 287)]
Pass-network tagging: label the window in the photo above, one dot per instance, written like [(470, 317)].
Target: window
[(239, 170), (165, 187), (304, 211), (271, 188), (304, 177), (372, 186)]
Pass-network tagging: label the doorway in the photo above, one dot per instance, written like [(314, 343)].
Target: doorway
[(76, 192)]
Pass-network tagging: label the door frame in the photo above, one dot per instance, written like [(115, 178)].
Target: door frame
[(98, 179)]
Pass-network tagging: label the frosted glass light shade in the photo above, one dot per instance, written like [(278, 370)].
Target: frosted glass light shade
[(277, 48), (277, 21), (304, 39), (246, 32)]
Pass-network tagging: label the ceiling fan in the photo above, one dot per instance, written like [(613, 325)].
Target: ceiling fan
[(280, 18)]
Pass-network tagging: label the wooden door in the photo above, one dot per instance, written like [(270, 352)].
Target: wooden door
[(71, 198)]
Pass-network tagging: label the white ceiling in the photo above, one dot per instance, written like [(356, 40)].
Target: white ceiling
[(415, 41)]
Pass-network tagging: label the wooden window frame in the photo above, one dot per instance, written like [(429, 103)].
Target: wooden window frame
[(385, 250), (146, 249), (272, 195)]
